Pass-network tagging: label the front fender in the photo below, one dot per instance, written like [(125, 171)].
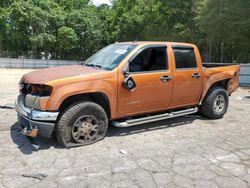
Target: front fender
[(60, 93)]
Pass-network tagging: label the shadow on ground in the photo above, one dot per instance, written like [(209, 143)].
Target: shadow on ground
[(168, 123), (26, 144)]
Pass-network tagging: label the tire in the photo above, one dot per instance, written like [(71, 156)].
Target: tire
[(215, 104), (82, 124)]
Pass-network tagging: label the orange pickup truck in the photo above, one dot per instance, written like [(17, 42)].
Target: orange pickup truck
[(124, 84)]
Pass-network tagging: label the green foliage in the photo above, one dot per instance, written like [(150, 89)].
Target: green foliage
[(88, 28), (67, 38), (153, 20), (3, 26), (75, 29), (226, 25)]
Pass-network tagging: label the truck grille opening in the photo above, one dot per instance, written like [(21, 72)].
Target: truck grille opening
[(25, 88)]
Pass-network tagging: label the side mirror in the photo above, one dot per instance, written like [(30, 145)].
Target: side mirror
[(129, 83), (126, 71)]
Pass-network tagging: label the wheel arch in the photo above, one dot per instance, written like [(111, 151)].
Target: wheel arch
[(221, 83), (97, 97)]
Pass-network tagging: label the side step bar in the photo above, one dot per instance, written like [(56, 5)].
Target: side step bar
[(153, 118)]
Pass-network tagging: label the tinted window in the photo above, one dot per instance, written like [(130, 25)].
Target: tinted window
[(150, 59), (184, 58)]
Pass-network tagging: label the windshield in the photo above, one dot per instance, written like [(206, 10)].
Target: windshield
[(110, 56)]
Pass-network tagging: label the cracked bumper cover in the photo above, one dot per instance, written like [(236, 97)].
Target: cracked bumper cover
[(44, 121)]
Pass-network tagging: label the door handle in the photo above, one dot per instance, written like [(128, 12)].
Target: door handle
[(196, 75), (166, 78)]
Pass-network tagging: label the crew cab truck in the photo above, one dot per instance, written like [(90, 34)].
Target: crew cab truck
[(124, 84)]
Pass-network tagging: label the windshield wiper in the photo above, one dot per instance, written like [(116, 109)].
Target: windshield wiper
[(92, 65)]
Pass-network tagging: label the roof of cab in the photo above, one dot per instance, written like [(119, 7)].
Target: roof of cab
[(143, 43)]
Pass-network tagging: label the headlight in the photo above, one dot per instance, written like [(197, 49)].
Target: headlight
[(41, 90), (36, 102), (36, 95), (35, 89)]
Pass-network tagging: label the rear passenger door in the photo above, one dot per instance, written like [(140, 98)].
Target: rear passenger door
[(187, 77)]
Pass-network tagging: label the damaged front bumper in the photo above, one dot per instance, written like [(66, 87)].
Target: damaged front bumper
[(35, 119)]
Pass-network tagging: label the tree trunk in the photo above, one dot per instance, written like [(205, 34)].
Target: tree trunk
[(210, 51), (1, 48), (46, 53), (34, 51), (215, 50), (222, 52)]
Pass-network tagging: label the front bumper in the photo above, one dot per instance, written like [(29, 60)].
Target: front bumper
[(31, 118)]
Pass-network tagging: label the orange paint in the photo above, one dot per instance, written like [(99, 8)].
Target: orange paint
[(150, 95)]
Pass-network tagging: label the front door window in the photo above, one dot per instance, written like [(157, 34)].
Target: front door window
[(150, 59)]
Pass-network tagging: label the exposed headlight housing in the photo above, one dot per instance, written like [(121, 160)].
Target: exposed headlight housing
[(41, 90), (35, 89), (36, 95)]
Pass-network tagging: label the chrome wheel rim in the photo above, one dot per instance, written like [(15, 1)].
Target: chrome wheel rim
[(219, 103), (85, 129)]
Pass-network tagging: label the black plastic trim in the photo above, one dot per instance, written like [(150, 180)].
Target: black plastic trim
[(182, 47)]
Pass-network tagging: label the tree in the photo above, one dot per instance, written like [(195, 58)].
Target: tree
[(32, 28), (153, 20), (3, 27), (44, 41), (226, 25), (67, 39), (89, 30)]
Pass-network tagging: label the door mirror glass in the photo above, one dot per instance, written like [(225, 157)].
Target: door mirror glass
[(129, 83)]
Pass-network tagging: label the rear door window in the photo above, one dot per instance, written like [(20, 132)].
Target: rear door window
[(184, 57)]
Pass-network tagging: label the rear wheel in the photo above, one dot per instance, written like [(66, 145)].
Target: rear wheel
[(215, 104), (82, 124)]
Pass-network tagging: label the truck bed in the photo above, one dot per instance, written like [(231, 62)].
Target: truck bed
[(215, 68), (211, 65)]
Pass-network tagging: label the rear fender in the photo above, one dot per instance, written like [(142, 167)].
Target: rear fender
[(228, 80)]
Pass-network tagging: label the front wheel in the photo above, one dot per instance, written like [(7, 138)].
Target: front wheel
[(215, 104), (82, 124)]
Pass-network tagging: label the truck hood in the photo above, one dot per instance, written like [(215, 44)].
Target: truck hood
[(50, 74)]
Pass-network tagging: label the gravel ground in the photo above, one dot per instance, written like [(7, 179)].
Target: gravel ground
[(190, 151)]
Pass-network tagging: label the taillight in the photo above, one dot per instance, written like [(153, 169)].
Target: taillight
[(237, 73)]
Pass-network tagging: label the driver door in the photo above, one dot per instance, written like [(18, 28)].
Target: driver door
[(152, 77)]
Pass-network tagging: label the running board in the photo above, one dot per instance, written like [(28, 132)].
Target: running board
[(153, 118)]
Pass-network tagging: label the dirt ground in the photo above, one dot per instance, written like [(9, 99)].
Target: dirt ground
[(189, 151)]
